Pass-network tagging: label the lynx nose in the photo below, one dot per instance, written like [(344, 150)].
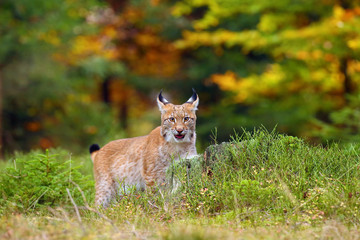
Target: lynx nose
[(179, 130)]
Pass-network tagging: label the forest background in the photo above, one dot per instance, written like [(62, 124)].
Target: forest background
[(77, 72)]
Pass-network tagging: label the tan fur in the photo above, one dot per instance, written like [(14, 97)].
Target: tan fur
[(142, 161)]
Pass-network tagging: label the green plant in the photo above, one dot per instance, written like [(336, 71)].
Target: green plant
[(40, 179), (263, 173), (258, 179)]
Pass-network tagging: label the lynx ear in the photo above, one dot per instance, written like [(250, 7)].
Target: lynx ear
[(161, 102), (194, 100)]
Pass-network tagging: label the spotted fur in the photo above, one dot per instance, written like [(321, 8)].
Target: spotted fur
[(142, 161)]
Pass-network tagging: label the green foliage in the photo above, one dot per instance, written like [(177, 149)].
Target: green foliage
[(83, 126), (259, 178), (38, 180), (292, 63), (281, 63), (36, 85), (344, 124)]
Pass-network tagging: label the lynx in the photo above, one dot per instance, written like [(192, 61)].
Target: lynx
[(142, 162)]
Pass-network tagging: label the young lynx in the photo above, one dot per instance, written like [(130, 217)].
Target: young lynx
[(142, 161)]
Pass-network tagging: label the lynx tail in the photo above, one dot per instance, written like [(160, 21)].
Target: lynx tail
[(93, 149)]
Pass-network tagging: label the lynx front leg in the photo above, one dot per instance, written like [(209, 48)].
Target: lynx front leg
[(155, 179), (149, 181)]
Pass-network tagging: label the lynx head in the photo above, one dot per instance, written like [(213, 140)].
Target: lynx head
[(178, 121)]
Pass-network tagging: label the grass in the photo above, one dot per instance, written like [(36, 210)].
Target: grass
[(21, 227), (260, 185)]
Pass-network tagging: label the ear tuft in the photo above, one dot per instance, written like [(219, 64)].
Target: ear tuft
[(161, 102), (194, 100), (162, 99), (193, 97)]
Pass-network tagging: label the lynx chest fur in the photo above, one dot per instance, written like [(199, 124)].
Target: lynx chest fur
[(143, 161)]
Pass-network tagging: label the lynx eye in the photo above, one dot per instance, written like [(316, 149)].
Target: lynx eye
[(186, 119), (171, 119)]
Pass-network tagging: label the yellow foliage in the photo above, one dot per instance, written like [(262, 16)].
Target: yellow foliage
[(318, 75), (354, 66), (147, 39), (138, 46), (110, 31), (207, 21), (267, 23), (271, 22), (85, 98), (339, 12), (227, 81), (354, 43), (86, 45), (250, 88), (274, 82), (249, 39), (302, 55), (354, 71), (317, 54), (50, 37), (210, 19)]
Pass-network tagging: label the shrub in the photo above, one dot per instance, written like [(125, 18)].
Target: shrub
[(273, 175), (37, 180)]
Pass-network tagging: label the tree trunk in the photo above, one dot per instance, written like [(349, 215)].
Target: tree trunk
[(347, 80), (122, 105), (106, 90), (124, 114)]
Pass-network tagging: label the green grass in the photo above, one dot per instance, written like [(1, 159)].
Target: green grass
[(259, 186)]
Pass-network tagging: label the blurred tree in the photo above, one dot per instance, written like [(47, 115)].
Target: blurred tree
[(68, 67), (35, 87), (55, 55), (308, 52), (135, 41)]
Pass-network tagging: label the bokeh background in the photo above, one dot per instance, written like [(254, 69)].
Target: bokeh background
[(76, 72)]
